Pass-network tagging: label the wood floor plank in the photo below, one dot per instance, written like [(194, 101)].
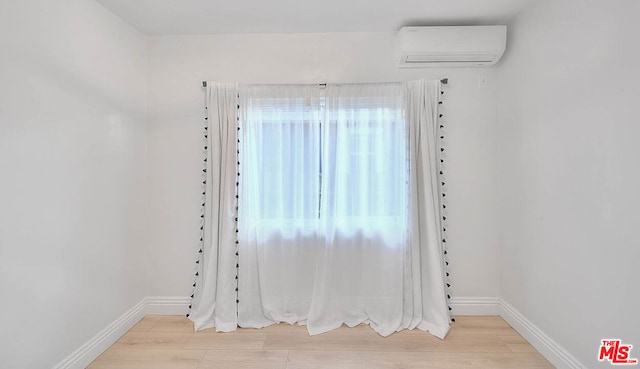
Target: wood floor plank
[(463, 325), (361, 328), (142, 365), (481, 325), (282, 327), (516, 338), (521, 347), (148, 358), (244, 359), (153, 340), (226, 341), (168, 342), (517, 343), (146, 323), (412, 360), (173, 324), (401, 341)]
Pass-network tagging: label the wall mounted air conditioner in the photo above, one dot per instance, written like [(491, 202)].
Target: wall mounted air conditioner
[(452, 46)]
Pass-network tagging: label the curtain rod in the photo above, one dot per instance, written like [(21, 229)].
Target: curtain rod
[(444, 81)]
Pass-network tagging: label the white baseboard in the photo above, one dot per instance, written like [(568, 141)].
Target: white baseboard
[(550, 349), (88, 352), (553, 352), (167, 305), (474, 305)]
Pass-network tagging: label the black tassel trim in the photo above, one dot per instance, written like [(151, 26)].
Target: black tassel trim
[(444, 206), (237, 196), (204, 182)]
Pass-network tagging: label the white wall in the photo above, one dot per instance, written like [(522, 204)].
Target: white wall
[(73, 173), (179, 64), (73, 161), (569, 157)]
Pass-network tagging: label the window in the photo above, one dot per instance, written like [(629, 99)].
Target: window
[(323, 158)]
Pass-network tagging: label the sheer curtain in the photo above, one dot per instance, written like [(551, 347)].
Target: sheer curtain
[(214, 299), (338, 208), (363, 212), (279, 245), (322, 208), (425, 292)]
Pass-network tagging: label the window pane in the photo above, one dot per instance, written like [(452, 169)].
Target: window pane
[(310, 161), (281, 151), (365, 156)]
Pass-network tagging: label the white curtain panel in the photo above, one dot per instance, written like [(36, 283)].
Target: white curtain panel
[(363, 212), (425, 300), (278, 216), (214, 302), (333, 229)]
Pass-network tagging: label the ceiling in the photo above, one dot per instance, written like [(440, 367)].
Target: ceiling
[(184, 17)]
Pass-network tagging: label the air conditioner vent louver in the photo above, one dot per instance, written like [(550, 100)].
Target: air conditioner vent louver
[(450, 58), (450, 46)]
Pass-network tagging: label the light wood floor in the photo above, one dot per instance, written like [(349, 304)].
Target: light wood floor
[(168, 342)]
